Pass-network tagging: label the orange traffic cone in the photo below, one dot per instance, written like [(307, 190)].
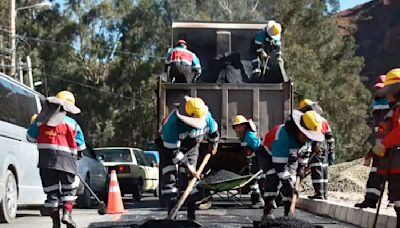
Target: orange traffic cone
[(115, 204)]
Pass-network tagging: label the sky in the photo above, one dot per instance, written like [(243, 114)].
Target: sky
[(346, 4)]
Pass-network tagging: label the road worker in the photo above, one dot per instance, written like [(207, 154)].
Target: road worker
[(182, 65), (322, 153), (387, 143), (246, 131), (267, 43), (59, 139), (279, 160), (380, 107), (181, 134)]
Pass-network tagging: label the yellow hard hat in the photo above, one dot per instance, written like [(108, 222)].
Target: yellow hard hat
[(392, 77), (196, 107), (239, 119), (67, 96), (312, 121), (33, 118), (274, 29), (305, 102)]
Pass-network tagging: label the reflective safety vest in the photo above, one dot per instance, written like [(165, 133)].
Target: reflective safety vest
[(389, 132), (58, 146)]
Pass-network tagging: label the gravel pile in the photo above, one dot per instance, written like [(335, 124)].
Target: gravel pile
[(348, 177), (219, 176)]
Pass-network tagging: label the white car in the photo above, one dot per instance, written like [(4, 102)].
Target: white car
[(135, 172), (20, 182)]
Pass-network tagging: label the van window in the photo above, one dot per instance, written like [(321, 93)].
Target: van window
[(26, 106), (8, 102)]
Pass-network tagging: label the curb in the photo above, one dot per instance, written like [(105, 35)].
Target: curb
[(352, 215)]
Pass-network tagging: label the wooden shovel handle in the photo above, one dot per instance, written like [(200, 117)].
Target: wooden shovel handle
[(189, 188)]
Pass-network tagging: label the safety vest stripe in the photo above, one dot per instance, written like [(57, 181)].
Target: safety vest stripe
[(68, 198), (280, 159), (30, 139), (172, 145), (51, 188), (57, 147), (373, 169), (74, 185), (373, 191), (168, 169), (270, 172), (82, 147), (51, 204)]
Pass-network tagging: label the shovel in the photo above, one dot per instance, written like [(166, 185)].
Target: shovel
[(101, 208), (174, 211)]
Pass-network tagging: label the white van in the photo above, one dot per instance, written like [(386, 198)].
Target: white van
[(20, 182)]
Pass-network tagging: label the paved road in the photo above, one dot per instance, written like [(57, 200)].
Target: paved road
[(222, 215)]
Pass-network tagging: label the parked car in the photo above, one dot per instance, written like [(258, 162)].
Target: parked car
[(134, 171), (95, 175), (20, 182)]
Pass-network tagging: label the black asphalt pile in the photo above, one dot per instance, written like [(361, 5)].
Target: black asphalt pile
[(284, 222), (221, 175)]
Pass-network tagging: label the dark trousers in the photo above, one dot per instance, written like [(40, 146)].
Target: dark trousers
[(59, 186), (257, 184), (175, 178), (374, 182), (272, 180), (180, 73), (319, 173)]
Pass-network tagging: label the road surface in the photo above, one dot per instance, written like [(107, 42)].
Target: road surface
[(221, 215)]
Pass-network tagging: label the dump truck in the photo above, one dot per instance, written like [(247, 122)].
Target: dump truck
[(268, 103)]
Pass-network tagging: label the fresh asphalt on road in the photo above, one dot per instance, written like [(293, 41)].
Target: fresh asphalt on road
[(222, 214)]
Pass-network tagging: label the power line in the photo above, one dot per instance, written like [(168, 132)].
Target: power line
[(135, 54), (95, 88)]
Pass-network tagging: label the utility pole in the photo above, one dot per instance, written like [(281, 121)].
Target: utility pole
[(13, 38)]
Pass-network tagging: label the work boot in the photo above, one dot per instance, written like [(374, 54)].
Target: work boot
[(366, 204), (67, 219), (257, 201), (170, 205), (268, 212), (316, 196), (191, 211), (286, 206), (55, 216)]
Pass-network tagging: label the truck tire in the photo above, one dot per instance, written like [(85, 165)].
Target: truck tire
[(137, 191), (85, 200), (8, 204)]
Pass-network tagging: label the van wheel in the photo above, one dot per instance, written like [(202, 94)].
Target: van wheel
[(85, 200), (8, 205)]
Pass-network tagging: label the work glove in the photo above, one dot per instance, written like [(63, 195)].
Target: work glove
[(179, 156), (249, 153), (264, 55), (193, 172), (379, 149)]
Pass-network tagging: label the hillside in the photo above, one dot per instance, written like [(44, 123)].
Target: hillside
[(376, 28)]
